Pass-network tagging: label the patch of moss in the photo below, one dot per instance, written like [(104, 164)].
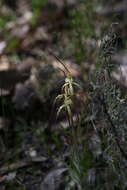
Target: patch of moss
[(12, 185)]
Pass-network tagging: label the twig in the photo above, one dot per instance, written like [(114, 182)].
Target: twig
[(20, 164)]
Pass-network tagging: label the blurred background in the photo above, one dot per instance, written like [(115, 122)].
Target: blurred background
[(35, 35)]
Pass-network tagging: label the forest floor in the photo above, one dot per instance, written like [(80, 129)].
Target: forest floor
[(36, 41)]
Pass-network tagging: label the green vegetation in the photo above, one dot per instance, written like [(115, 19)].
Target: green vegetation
[(69, 112)]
